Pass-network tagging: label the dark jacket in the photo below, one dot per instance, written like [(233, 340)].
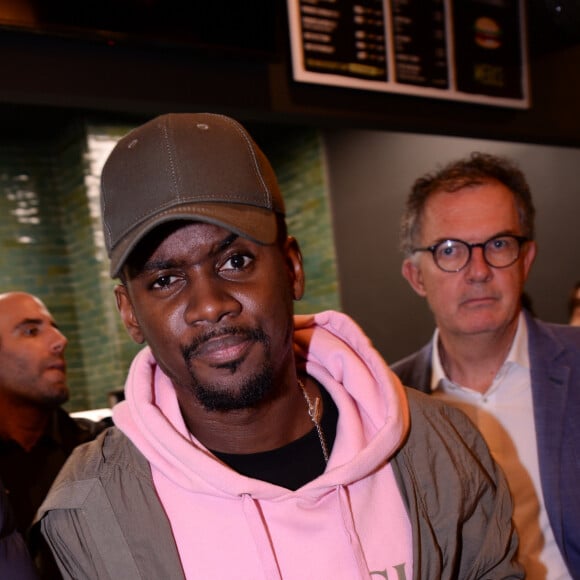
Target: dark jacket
[(28, 474), (103, 519), (15, 561)]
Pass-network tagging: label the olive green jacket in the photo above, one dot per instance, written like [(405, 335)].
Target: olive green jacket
[(103, 520)]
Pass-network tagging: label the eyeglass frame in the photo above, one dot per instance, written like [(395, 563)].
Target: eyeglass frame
[(521, 240)]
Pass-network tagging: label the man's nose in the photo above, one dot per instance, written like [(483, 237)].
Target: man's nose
[(478, 269), (209, 301), (59, 341)]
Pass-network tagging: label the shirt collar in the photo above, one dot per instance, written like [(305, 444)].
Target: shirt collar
[(518, 353)]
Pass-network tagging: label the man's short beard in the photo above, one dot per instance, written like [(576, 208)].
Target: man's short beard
[(247, 395), (53, 400)]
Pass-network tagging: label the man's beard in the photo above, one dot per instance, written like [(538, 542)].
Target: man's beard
[(56, 397), (248, 394)]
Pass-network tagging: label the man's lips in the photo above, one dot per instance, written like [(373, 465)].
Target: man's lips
[(223, 346), (223, 349), (478, 301), (57, 366)]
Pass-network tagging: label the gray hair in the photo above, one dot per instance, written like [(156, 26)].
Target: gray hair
[(476, 169)]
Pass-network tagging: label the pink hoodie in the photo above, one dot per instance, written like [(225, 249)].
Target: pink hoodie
[(348, 523)]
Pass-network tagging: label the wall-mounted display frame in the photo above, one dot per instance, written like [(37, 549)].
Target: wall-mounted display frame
[(464, 50)]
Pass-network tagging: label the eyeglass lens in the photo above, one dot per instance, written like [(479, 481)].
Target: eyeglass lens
[(500, 252)]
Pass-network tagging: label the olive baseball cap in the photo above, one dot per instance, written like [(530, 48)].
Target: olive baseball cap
[(187, 166)]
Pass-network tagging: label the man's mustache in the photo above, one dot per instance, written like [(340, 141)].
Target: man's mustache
[(256, 334)]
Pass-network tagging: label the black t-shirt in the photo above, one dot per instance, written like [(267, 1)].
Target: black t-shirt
[(295, 464)]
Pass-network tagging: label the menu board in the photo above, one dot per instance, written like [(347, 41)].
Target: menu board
[(464, 50)]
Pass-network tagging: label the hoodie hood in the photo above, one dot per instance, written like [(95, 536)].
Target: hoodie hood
[(373, 423), (330, 347)]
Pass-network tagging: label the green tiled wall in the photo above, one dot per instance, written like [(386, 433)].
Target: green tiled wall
[(296, 155), (34, 255), (51, 240)]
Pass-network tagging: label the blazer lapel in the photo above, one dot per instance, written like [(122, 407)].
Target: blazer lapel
[(550, 383)]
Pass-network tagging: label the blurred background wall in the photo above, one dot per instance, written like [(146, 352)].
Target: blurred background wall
[(71, 83)]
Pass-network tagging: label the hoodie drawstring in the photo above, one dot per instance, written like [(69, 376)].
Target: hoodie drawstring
[(263, 541), (350, 531), (261, 537)]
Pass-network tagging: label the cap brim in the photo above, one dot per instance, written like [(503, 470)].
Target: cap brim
[(255, 223)]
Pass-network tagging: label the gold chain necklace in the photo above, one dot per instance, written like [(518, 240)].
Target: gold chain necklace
[(314, 411)]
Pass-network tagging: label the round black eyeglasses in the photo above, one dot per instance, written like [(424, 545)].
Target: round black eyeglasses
[(454, 255)]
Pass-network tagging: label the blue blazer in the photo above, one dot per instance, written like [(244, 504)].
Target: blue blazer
[(554, 352)]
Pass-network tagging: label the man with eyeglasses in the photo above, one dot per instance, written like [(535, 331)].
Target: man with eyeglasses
[(468, 238)]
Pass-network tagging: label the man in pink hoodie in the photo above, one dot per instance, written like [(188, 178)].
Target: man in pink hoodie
[(252, 443)]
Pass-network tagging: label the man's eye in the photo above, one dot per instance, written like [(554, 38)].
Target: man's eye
[(237, 262), (163, 282), (30, 331), (499, 243), (448, 250)]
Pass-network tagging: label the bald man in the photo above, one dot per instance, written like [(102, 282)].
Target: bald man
[(36, 434)]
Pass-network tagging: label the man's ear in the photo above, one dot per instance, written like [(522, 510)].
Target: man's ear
[(293, 257), (128, 314), (530, 251), (412, 273)]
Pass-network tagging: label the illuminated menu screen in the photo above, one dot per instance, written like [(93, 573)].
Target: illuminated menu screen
[(470, 50)]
